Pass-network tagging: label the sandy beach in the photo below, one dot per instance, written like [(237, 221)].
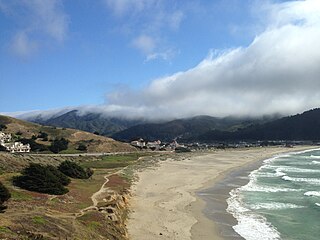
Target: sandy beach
[(164, 202)]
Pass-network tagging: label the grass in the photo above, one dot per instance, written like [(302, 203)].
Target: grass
[(93, 225), (114, 161), (4, 230), (70, 151), (20, 196), (38, 220)]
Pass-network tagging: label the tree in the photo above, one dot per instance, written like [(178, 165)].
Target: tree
[(34, 145), (2, 126), (59, 145), (74, 170), (43, 179), (4, 196)]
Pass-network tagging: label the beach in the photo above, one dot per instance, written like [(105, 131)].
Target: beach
[(168, 199)]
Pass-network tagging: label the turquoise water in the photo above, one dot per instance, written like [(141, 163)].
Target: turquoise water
[(281, 200)]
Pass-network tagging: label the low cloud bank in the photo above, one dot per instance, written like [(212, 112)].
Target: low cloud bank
[(277, 73)]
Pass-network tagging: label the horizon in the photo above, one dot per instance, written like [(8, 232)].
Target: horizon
[(157, 59)]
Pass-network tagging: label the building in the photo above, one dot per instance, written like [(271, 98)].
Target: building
[(5, 138), (156, 145), (139, 143), (17, 147)]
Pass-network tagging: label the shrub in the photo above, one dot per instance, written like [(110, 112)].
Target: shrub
[(34, 145), (82, 147), (59, 145), (73, 170), (42, 135), (4, 196), (2, 126), (43, 179)]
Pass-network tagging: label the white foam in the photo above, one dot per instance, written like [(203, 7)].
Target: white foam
[(315, 181), (258, 188), (250, 226), (315, 157), (274, 206), (253, 226), (312, 194), (296, 169), (317, 204), (279, 172), (316, 162)]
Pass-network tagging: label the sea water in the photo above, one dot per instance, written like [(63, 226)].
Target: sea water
[(281, 200)]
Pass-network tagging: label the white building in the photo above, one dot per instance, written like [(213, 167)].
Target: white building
[(154, 145), (5, 137), (138, 143), (17, 147)]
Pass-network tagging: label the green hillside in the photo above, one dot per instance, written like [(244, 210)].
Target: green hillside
[(22, 130)]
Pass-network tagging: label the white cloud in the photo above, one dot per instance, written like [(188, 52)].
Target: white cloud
[(277, 73), (22, 46), (150, 22), (144, 43), (38, 19), (123, 7)]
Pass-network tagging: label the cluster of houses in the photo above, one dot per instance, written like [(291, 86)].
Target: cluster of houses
[(156, 145), (13, 147)]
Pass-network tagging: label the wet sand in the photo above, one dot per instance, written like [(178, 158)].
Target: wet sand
[(187, 199)]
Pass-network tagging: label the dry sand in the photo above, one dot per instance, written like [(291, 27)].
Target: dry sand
[(164, 204)]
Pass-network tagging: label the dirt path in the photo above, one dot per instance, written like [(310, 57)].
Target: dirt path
[(98, 196)]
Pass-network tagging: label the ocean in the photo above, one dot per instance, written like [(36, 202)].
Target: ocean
[(281, 200)]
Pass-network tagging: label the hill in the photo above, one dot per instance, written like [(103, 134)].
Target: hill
[(94, 143), (305, 126), (90, 122), (183, 129)]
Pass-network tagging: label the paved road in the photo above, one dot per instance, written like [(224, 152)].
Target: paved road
[(90, 154)]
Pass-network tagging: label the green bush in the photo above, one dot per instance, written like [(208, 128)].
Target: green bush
[(73, 170), (43, 179), (82, 147), (59, 145), (43, 135), (34, 145), (4, 196)]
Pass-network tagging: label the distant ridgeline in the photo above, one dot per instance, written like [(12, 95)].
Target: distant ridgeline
[(90, 122), (300, 127), (305, 126), (205, 129)]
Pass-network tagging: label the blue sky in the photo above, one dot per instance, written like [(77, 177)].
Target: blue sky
[(110, 53)]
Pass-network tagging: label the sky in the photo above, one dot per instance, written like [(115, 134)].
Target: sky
[(160, 58)]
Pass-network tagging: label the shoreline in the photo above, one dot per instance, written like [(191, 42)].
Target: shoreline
[(214, 208), (169, 200)]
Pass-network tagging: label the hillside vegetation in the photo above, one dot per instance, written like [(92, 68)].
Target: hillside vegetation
[(183, 129), (73, 215), (305, 126), (45, 135), (90, 122)]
